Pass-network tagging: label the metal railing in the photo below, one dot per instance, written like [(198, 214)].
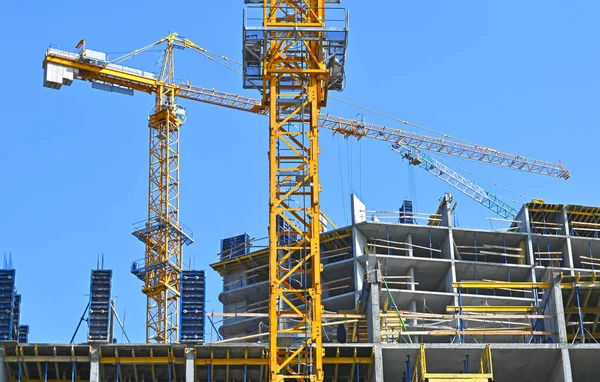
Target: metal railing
[(420, 373)]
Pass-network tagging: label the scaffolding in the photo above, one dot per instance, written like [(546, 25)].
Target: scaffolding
[(581, 297)]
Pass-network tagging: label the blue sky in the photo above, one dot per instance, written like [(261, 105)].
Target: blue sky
[(517, 76)]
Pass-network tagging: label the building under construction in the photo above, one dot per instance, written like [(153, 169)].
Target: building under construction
[(395, 296), (515, 304), (407, 297)]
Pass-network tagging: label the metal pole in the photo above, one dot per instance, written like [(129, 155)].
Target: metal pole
[(408, 367), (430, 245), (476, 260), (590, 247), (504, 244), (582, 333), (460, 320), (79, 324), (46, 373), (387, 235), (537, 304)]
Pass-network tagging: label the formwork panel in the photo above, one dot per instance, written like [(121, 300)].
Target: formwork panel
[(23, 334), (235, 246), (99, 314), (193, 300), (7, 303)]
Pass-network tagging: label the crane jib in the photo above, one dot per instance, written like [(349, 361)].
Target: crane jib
[(344, 126)]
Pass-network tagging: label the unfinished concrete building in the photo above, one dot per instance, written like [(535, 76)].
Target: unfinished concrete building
[(396, 280), (408, 297)]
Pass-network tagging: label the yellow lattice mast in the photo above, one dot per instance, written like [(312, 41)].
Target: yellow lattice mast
[(287, 58), (163, 234)]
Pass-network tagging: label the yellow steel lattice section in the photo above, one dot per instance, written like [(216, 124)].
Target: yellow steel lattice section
[(163, 234), (163, 240), (294, 73)]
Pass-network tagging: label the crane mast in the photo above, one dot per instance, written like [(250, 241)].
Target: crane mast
[(163, 234), (289, 58)]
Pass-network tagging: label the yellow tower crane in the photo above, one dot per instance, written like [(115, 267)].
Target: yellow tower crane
[(294, 57), (286, 59), (163, 233)]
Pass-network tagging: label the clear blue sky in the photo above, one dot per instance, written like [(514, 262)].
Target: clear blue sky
[(518, 76)]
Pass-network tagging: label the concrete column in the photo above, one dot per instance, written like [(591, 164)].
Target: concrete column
[(373, 315), (95, 365), (446, 214), (359, 242), (531, 257), (373, 310), (3, 374), (409, 247), (524, 218), (562, 369), (448, 246), (566, 365), (567, 251), (411, 274), (413, 308), (526, 228), (377, 373), (190, 366), (559, 311)]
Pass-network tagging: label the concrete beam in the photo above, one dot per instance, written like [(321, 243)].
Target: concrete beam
[(373, 309)]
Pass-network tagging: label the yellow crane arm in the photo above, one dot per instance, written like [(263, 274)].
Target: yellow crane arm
[(130, 78)]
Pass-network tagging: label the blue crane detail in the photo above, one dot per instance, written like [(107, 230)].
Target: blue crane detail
[(418, 158)]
